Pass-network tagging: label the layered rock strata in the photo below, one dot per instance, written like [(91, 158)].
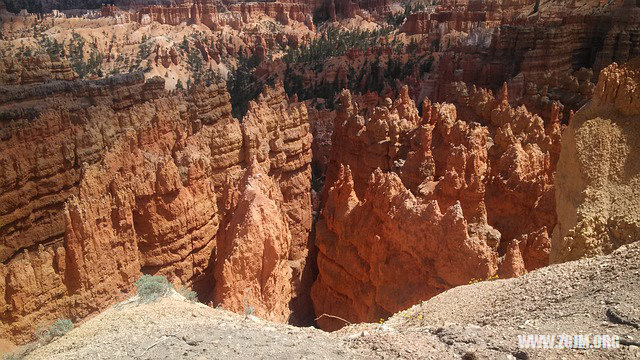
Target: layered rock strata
[(35, 69), (105, 180), (485, 44), (211, 14)]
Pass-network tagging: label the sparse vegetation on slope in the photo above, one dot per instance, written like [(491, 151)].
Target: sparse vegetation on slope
[(60, 327), (190, 295), (150, 288), (76, 55), (478, 321), (243, 85), (397, 19), (335, 42)]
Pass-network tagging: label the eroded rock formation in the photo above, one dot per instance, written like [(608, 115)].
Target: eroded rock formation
[(488, 43), (34, 69), (213, 14), (431, 201), (598, 177), (102, 181)]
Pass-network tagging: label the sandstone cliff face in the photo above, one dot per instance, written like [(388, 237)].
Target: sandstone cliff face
[(253, 272), (387, 250), (487, 44), (598, 182), (212, 14), (622, 41), (102, 181), (32, 70), (277, 137), (430, 202)]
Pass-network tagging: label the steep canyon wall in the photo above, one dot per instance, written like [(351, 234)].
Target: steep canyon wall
[(102, 181), (486, 45)]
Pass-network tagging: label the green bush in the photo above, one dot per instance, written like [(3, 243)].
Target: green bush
[(60, 327), (188, 294), (151, 288)]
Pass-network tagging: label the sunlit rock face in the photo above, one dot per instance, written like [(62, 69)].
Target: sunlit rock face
[(598, 170), (414, 205), (105, 180)]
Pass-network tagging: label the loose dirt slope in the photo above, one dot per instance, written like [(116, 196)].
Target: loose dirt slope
[(571, 298), (473, 322)]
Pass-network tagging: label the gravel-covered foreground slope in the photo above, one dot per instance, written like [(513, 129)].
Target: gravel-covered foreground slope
[(591, 296), (598, 295), (176, 329)]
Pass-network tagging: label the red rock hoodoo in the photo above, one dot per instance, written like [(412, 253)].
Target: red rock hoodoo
[(430, 202)]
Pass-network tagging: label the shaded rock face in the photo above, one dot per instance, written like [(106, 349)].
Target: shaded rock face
[(414, 205), (102, 181), (48, 5), (598, 178), (487, 43), (321, 127), (622, 40)]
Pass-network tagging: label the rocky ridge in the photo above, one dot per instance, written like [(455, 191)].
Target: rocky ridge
[(105, 180), (478, 321)]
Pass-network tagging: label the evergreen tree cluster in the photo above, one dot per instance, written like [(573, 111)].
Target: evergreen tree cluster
[(54, 49), (144, 50), (243, 85), (373, 75), (76, 57), (335, 42), (200, 73)]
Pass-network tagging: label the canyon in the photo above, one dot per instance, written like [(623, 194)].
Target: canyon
[(306, 162), (120, 177)]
